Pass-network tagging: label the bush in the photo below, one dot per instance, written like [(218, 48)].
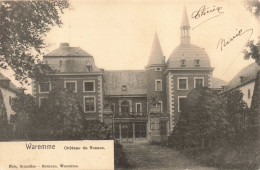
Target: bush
[(120, 159)]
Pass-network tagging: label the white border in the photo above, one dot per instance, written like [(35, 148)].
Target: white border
[(179, 102), (94, 84), (156, 84), (187, 83), (196, 78), (85, 104), (40, 100), (70, 81)]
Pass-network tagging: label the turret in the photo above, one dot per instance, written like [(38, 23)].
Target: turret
[(155, 75), (185, 29)]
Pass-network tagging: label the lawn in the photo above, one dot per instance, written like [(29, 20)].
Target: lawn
[(146, 156)]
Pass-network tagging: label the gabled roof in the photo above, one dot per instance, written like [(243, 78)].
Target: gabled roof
[(133, 80), (156, 56), (65, 50), (218, 83), (11, 86), (248, 74)]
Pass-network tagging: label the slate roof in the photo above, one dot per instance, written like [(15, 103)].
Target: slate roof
[(218, 83), (248, 73), (66, 59), (134, 80), (65, 50), (185, 20), (189, 53), (156, 56)]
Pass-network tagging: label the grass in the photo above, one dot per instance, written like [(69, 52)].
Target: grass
[(146, 156)]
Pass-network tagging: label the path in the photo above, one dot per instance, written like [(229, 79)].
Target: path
[(146, 156)]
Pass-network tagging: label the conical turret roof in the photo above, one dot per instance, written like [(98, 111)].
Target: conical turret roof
[(185, 20), (156, 56)]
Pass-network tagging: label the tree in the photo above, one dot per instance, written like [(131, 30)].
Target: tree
[(253, 50), (237, 109), (25, 108), (61, 116), (24, 25), (202, 120)]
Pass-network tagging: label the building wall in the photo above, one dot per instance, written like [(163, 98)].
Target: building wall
[(152, 76), (176, 93), (98, 93), (7, 94), (245, 88), (116, 101)]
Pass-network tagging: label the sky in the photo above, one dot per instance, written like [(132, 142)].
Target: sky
[(119, 34)]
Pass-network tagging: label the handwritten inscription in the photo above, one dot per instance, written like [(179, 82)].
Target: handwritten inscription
[(204, 11), (223, 42)]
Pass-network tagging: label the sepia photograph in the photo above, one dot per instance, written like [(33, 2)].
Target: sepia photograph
[(130, 84)]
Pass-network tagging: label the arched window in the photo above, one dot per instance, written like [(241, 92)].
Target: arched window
[(125, 107)]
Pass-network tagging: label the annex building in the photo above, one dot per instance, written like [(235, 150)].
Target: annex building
[(125, 99)]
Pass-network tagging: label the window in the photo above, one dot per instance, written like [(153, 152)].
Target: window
[(89, 86), (125, 107), (140, 129), (42, 101), (248, 93), (181, 103), (163, 127), (158, 69), (72, 85), (198, 82), (182, 63), (183, 83), (89, 68), (112, 107), (124, 88), (158, 85), (44, 86), (159, 104), (197, 62), (138, 107), (89, 104)]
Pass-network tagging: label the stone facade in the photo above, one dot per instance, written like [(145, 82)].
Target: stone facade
[(139, 105)]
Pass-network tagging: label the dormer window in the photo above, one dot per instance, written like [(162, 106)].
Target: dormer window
[(158, 69), (124, 88), (183, 62), (197, 62), (89, 68)]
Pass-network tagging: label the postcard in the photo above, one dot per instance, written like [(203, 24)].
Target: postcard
[(129, 84)]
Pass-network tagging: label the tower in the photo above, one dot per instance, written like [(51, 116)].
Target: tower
[(155, 75), (188, 67)]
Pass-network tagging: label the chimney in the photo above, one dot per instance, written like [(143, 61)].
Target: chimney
[(62, 45)]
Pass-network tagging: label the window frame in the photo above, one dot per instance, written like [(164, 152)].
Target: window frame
[(84, 103), (87, 81), (136, 107), (161, 103), (71, 81), (40, 102), (197, 78), (39, 83), (156, 87), (183, 97), (187, 83)]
